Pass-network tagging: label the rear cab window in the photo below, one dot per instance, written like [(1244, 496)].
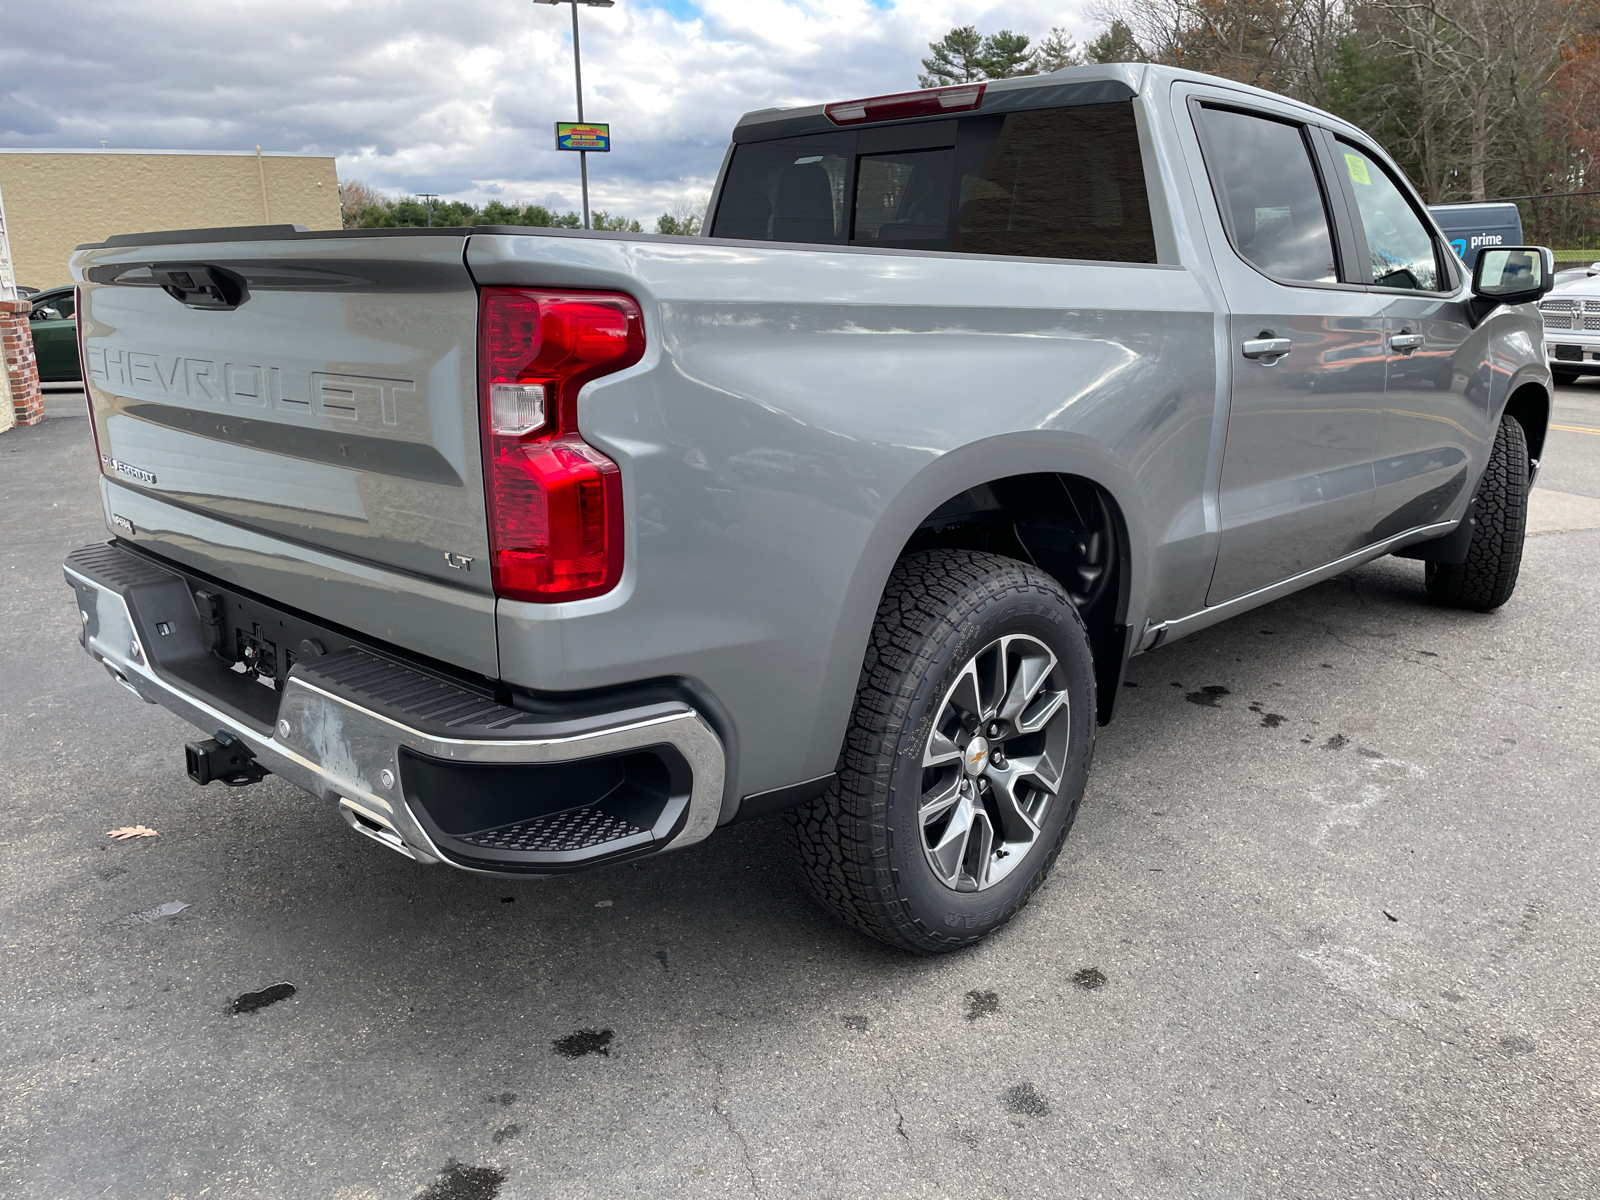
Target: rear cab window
[(1051, 183)]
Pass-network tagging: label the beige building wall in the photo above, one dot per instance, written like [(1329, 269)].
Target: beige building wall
[(56, 200)]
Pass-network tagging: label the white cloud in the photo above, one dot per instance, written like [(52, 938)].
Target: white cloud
[(460, 99)]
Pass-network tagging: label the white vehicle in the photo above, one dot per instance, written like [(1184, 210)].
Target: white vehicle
[(1572, 326)]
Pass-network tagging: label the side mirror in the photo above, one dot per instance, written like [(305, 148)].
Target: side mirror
[(1513, 274), (1594, 268)]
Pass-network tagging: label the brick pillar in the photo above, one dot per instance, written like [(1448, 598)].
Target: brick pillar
[(22, 367)]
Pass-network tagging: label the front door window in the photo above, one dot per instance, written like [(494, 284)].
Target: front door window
[(1399, 247)]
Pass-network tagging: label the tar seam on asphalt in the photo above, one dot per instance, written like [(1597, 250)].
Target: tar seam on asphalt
[(584, 1041), (251, 1001), (981, 1004), (1025, 1101), (460, 1182)]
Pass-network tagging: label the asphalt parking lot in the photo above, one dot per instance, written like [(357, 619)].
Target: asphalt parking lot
[(1328, 926)]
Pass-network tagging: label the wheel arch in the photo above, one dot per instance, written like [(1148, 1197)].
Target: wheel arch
[(1082, 462), (1529, 404)]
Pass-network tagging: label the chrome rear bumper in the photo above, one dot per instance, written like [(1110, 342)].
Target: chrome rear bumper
[(343, 723)]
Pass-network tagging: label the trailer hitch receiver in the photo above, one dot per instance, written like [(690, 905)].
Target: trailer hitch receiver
[(225, 759)]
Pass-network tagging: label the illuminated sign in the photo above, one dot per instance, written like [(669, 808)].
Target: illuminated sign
[(576, 135)]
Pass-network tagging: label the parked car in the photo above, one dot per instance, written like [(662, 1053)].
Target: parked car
[(53, 321), (1571, 315), (531, 550)]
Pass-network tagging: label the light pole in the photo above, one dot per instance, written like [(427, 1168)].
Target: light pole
[(428, 198), (577, 72)]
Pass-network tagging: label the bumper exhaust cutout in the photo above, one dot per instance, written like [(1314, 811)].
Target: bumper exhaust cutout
[(224, 759)]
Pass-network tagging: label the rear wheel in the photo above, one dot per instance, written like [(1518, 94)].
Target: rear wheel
[(965, 757), (1489, 576)]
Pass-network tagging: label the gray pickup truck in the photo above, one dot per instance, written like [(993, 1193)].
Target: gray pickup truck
[(533, 550)]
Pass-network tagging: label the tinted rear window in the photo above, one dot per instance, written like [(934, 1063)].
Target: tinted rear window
[(1052, 183)]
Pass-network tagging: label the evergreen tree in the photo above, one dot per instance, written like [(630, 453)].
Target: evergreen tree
[(1058, 50), (1116, 44), (1005, 54), (605, 221), (958, 57)]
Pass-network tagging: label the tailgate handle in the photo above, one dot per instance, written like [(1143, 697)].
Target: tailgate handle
[(200, 285)]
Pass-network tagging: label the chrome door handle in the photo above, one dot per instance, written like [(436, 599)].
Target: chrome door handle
[(1266, 347), (1405, 343)]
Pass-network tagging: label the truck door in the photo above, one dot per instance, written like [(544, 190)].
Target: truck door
[(1306, 353), (1436, 404)]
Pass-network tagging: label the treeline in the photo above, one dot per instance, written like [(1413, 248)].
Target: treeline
[(374, 211), (1476, 99), (364, 207)]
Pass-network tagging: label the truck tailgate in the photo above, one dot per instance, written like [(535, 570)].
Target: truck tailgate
[(297, 417)]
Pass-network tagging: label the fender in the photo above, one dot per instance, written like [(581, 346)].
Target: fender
[(969, 466), (1452, 547)]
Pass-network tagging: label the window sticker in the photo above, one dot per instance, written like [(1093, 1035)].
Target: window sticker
[(1358, 169)]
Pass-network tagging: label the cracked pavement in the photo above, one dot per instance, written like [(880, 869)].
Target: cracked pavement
[(1326, 927)]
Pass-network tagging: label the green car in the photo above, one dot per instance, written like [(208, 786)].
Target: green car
[(54, 321)]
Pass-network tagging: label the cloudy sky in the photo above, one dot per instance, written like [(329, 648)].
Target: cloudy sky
[(458, 97)]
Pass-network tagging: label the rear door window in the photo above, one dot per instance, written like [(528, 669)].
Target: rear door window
[(1262, 175), (1051, 183)]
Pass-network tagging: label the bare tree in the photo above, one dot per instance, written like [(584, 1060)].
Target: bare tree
[(356, 196), (1286, 46), (1480, 70)]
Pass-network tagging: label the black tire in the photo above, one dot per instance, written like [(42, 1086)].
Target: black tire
[(1564, 378), (1489, 576), (861, 844)]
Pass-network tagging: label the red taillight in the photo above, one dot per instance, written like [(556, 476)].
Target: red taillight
[(555, 502), (931, 103)]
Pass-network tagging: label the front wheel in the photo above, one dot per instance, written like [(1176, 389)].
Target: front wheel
[(965, 757), (1494, 558)]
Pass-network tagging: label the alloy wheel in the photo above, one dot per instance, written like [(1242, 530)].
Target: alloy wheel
[(994, 762)]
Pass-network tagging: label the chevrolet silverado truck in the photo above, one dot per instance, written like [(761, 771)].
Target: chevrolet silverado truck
[(533, 550)]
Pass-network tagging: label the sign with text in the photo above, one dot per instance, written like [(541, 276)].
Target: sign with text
[(578, 135)]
